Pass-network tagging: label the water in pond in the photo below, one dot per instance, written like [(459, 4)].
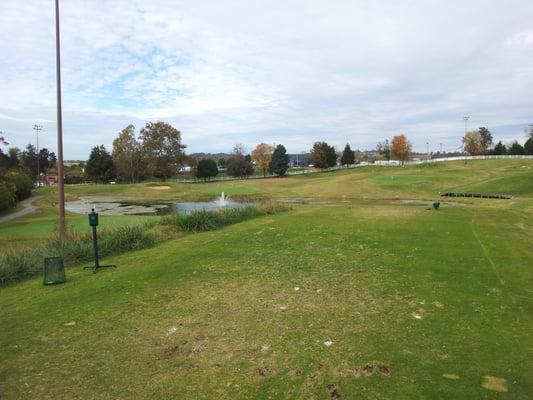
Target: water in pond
[(119, 206)]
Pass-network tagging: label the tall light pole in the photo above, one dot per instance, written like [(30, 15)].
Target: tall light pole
[(38, 128), (427, 156), (466, 118), (60, 183)]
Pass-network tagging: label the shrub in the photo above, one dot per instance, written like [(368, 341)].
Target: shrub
[(21, 181), (7, 195)]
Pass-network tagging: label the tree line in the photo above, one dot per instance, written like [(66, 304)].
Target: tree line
[(18, 172), (480, 142)]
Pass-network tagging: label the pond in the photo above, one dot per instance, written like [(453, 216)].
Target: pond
[(118, 206)]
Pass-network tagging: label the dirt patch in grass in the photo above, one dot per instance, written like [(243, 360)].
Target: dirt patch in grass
[(333, 390), (453, 377), (159, 187), (494, 383), (169, 352)]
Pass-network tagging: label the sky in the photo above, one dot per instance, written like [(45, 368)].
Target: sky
[(285, 71)]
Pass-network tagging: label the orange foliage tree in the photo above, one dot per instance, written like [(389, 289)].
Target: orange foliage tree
[(262, 156), (401, 148)]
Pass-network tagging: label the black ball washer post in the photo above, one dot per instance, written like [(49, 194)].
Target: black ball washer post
[(93, 222)]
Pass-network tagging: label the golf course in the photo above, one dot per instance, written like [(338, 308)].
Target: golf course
[(356, 289)]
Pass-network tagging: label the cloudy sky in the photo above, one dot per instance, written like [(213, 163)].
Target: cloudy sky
[(290, 72)]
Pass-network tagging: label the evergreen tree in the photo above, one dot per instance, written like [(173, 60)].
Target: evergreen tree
[(528, 146), (500, 149), (348, 157), (516, 149), (207, 168), (486, 139), (323, 155), (280, 161), (100, 166)]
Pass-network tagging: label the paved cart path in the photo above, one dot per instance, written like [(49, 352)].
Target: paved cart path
[(28, 209)]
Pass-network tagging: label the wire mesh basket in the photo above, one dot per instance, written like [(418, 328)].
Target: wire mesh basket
[(54, 271)]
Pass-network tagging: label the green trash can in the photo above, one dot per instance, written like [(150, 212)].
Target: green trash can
[(54, 271), (436, 205)]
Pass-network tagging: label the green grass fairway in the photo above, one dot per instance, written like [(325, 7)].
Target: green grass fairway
[(414, 303)]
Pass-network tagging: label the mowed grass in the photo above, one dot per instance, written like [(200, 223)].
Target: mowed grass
[(405, 294)]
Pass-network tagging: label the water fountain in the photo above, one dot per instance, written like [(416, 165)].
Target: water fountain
[(222, 201)]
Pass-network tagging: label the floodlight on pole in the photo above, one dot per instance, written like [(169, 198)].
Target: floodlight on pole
[(38, 128), (465, 118), (60, 183)]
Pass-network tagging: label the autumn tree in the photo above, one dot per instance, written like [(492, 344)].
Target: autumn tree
[(162, 149), (280, 161), (207, 168), (262, 155), (100, 166), (127, 155), (473, 143), (348, 156), (323, 155), (401, 148)]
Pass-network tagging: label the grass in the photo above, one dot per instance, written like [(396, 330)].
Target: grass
[(406, 295), (17, 264)]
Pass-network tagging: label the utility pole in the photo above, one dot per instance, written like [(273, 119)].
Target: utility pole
[(466, 118), (60, 183), (38, 128), (427, 156), (440, 144)]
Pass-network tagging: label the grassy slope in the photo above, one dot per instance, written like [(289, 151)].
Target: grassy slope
[(465, 270)]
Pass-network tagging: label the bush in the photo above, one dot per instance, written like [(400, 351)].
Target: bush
[(7, 195), (21, 181), (201, 221)]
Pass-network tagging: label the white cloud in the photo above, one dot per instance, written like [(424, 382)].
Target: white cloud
[(288, 72)]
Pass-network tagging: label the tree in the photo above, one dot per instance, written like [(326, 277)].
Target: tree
[(207, 168), (280, 161), (516, 149), (262, 155), (473, 143), (528, 146), (162, 149), (486, 139), (100, 166), (222, 162), (500, 149), (127, 155), (248, 166), (401, 148), (323, 155), (21, 182), (348, 156), (237, 164), (7, 195), (28, 159), (3, 141), (383, 148)]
